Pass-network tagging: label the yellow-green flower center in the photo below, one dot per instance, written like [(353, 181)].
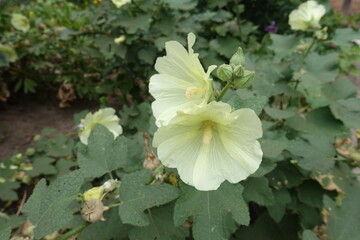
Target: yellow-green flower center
[(193, 91), (208, 128)]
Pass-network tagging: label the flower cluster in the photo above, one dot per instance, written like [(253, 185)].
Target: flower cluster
[(205, 140)]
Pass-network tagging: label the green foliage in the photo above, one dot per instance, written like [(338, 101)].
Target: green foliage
[(137, 196), (104, 154), (5, 234), (48, 207), (214, 213)]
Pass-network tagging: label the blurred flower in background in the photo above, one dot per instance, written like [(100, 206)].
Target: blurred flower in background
[(20, 22), (271, 28), (307, 16)]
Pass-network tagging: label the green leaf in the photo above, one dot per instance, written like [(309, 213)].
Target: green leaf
[(7, 192), (137, 195), (318, 155), (11, 222), (104, 153), (342, 88), (283, 45), (285, 175), (311, 193), (348, 111), (256, 103), (60, 146), (148, 55), (5, 233), (181, 5), (258, 190), (132, 23), (225, 46), (280, 114), (266, 229), (272, 148), (278, 209), (343, 37), (112, 228), (266, 166), (64, 166), (161, 226), (309, 235), (3, 60), (210, 210), (42, 165), (318, 122), (344, 221), (48, 207)]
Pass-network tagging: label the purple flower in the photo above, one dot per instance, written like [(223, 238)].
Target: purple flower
[(271, 28)]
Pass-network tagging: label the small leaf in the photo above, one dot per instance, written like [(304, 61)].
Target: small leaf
[(278, 209), (7, 192), (137, 195), (42, 165), (280, 114), (48, 207), (211, 210)]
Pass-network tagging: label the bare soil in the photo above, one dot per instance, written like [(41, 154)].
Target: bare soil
[(23, 116)]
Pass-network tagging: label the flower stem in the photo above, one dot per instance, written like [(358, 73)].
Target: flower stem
[(76, 230), (310, 47), (223, 91)]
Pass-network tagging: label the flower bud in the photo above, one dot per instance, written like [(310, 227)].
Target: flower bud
[(110, 185), (225, 72), (93, 210), (321, 34), (94, 193), (244, 81), (238, 58), (30, 151), (239, 71), (119, 39)]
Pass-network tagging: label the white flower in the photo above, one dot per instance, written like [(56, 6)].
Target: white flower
[(9, 51), (306, 16), (119, 39), (105, 117), (211, 144), (181, 83), (119, 3), (20, 22)]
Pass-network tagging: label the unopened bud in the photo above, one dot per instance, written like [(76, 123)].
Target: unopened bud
[(94, 193), (239, 71), (244, 81), (93, 211), (110, 185), (238, 58), (30, 151), (321, 34), (225, 72)]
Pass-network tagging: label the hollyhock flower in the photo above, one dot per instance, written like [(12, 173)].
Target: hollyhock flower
[(105, 117), (20, 22), (271, 28), (9, 51), (307, 16), (181, 83), (120, 3), (211, 144)]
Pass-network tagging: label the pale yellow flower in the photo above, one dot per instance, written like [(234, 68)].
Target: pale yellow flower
[(9, 51), (20, 22), (105, 117), (307, 16), (211, 144), (181, 83), (120, 39), (120, 3), (94, 193)]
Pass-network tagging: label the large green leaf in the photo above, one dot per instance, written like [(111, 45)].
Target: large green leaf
[(277, 210), (137, 196), (343, 37), (48, 207), (210, 210), (256, 103), (344, 221), (104, 153), (283, 45), (348, 111), (316, 152), (258, 190), (161, 226), (5, 233)]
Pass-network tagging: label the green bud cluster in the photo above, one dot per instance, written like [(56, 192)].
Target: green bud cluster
[(235, 72)]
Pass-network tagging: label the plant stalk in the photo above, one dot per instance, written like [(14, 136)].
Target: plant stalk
[(74, 231)]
